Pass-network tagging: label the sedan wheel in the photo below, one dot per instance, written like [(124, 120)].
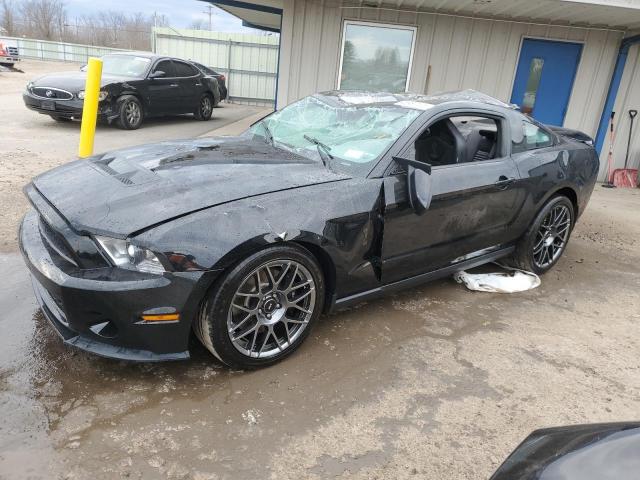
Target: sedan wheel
[(132, 111), (131, 114), (263, 309), (205, 107)]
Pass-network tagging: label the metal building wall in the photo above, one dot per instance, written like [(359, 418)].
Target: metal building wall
[(462, 53), (628, 98), (250, 62)]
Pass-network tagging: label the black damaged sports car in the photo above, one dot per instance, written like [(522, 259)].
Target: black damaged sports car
[(337, 198), (134, 86)]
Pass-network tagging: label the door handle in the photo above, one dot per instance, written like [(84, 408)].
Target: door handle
[(173, 85), (504, 182)]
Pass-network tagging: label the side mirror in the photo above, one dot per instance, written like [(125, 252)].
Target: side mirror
[(419, 184), (157, 74)]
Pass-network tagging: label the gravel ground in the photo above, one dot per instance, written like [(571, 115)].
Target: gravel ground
[(435, 382)]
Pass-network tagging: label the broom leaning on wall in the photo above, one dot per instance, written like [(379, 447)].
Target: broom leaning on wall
[(627, 177)]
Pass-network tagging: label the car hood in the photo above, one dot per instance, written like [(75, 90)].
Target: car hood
[(75, 81), (126, 191), (577, 452)]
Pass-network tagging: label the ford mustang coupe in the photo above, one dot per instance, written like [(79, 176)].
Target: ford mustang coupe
[(337, 198)]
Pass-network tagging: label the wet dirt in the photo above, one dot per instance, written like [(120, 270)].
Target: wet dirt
[(435, 382)]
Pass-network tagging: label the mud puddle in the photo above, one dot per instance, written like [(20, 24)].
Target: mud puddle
[(70, 414)]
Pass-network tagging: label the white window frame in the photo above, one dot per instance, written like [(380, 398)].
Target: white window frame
[(346, 23)]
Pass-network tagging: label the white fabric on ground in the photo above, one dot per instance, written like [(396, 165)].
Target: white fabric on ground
[(500, 282)]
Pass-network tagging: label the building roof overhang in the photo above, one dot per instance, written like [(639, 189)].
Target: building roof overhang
[(621, 15)]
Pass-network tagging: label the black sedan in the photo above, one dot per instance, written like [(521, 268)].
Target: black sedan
[(222, 80), (337, 198), (134, 86)]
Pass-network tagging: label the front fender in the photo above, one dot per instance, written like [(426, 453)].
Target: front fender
[(339, 218)]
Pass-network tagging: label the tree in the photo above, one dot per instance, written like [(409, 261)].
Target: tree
[(198, 24), (349, 52), (45, 19), (8, 18), (387, 57)]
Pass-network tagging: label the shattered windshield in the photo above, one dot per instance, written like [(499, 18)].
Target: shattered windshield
[(348, 138)]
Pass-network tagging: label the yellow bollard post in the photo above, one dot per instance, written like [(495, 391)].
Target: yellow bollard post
[(90, 107)]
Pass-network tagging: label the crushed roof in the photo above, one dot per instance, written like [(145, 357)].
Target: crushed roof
[(412, 100)]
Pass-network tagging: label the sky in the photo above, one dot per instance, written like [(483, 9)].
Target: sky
[(179, 12)]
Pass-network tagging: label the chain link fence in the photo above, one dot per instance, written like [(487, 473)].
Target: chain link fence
[(55, 51)]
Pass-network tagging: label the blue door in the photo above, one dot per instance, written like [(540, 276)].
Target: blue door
[(544, 79)]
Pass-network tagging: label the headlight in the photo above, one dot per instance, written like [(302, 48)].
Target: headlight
[(101, 96), (29, 86), (126, 255)]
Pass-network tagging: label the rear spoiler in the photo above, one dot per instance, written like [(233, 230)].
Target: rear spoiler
[(572, 134)]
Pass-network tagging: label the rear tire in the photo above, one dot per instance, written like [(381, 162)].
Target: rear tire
[(205, 107), (131, 113), (262, 309), (546, 239)]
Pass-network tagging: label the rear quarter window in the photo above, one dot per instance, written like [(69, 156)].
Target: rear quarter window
[(184, 69), (528, 136)]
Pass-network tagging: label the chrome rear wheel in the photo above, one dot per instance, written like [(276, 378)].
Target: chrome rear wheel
[(551, 238)]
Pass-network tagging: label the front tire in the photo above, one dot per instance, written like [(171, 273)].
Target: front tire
[(263, 309), (131, 113), (205, 107), (546, 239)]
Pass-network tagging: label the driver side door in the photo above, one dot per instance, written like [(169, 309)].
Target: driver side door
[(474, 202)]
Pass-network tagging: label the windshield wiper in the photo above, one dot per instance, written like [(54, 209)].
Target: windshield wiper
[(268, 132), (323, 150)]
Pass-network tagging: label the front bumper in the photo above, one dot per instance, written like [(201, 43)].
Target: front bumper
[(99, 310), (8, 60), (71, 109)]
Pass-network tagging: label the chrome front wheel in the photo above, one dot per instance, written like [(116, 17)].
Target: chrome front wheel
[(271, 308), (263, 308)]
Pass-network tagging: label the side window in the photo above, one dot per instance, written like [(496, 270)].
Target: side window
[(529, 137), (184, 69), (457, 139), (165, 66)]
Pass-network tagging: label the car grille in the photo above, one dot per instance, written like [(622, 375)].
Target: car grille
[(51, 93), (56, 242)]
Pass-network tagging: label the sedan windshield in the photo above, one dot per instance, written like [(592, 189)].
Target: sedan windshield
[(125, 65), (346, 138)]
